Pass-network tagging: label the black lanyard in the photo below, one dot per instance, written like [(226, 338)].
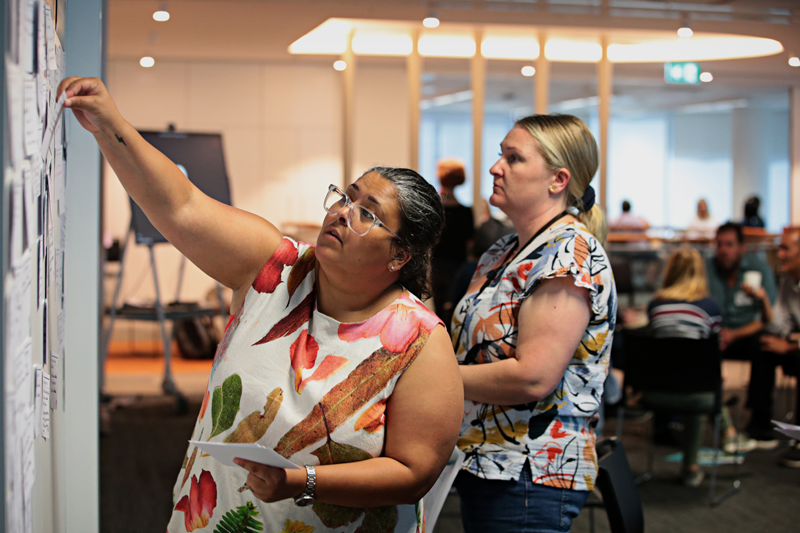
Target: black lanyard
[(492, 274)]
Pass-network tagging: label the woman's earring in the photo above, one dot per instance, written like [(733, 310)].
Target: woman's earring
[(391, 268), (552, 188)]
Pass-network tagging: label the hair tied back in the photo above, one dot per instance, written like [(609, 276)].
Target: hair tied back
[(588, 198)]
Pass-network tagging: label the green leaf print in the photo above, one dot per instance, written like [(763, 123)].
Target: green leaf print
[(334, 453), (376, 520), (225, 404), (240, 520), (379, 520)]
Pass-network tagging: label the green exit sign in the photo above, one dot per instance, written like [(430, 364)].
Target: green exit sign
[(685, 72)]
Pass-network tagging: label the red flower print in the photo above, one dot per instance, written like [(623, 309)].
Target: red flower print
[(556, 432), (270, 275), (328, 367), (303, 353), (373, 418), (406, 318), (203, 406), (198, 505)]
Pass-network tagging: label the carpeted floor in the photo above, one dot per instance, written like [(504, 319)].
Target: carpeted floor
[(146, 441)]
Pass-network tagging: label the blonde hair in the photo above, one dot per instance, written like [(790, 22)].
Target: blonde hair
[(564, 141), (684, 277)]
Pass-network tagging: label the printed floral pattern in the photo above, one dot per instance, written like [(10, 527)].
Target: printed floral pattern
[(313, 389), (198, 506), (555, 435)]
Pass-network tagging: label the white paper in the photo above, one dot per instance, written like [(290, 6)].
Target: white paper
[(26, 55), (16, 218), (28, 469), (53, 117), (31, 209), (41, 44), (53, 380), (51, 39), (18, 306), (30, 115), (23, 378), (225, 453), (59, 178), (14, 98), (46, 406), (787, 429), (37, 401)]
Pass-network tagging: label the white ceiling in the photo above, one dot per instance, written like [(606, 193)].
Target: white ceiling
[(262, 30)]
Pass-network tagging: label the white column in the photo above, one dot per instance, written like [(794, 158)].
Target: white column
[(604, 86), (478, 77), (349, 112), (794, 153), (414, 71), (751, 154), (77, 459), (542, 78)]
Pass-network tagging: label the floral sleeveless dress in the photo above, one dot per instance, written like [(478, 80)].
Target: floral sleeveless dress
[(313, 389)]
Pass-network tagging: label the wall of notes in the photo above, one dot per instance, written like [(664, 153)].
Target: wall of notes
[(33, 268)]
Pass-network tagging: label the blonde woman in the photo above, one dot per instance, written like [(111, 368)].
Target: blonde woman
[(683, 308), (533, 336)]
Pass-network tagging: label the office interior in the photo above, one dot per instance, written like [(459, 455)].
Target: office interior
[(292, 123)]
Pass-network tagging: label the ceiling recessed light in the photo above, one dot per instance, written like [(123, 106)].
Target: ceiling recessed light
[(528, 70), (147, 61), (706, 77), (431, 21), (685, 30), (162, 15), (794, 61), (339, 65)]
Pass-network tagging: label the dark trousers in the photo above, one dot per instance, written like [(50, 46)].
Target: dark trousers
[(762, 378), (762, 383)]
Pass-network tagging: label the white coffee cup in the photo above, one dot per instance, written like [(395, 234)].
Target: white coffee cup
[(752, 278)]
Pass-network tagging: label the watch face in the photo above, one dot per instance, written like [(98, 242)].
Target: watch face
[(304, 501)]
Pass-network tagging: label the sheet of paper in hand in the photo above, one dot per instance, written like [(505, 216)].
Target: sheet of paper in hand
[(225, 453)]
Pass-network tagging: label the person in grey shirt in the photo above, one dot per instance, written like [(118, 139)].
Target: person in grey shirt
[(745, 310), (781, 343)]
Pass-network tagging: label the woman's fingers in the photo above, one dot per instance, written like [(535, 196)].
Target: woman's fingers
[(89, 101)]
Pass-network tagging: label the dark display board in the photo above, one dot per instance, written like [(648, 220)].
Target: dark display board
[(200, 157)]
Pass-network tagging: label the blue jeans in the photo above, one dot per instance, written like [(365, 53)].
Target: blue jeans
[(518, 506)]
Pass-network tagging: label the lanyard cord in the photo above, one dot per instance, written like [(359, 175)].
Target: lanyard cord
[(492, 274)]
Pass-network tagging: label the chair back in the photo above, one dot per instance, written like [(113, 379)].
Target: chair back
[(672, 364), (616, 484)]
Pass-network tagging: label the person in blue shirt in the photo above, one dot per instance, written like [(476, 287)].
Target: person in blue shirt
[(745, 308)]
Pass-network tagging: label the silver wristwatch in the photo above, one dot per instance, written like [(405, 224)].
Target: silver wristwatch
[(307, 498)]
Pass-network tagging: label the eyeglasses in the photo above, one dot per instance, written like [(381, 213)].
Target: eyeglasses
[(359, 219)]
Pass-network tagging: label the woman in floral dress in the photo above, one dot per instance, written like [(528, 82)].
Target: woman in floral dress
[(533, 335), (330, 358)]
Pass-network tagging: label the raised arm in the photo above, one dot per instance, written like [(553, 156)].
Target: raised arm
[(228, 244)]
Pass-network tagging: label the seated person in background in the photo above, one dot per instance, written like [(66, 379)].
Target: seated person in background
[(751, 217), (628, 221), (780, 343), (682, 308), (703, 224), (745, 309)]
